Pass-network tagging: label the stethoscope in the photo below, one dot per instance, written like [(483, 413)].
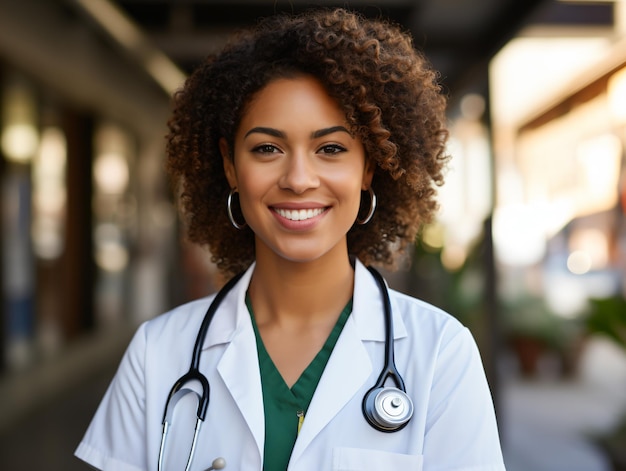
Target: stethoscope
[(386, 408)]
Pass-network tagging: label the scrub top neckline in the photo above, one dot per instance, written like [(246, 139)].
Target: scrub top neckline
[(284, 407), (319, 361)]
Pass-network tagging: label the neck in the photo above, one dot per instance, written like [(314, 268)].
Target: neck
[(284, 291)]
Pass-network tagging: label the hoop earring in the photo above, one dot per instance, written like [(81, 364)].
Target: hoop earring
[(370, 213), (229, 201)]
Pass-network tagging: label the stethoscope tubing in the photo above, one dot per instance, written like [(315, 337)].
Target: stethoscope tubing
[(379, 421), (389, 370), (177, 391), (194, 368)]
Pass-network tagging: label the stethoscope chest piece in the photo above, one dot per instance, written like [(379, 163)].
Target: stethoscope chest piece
[(387, 409)]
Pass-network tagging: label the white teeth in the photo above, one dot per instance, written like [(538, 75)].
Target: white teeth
[(299, 214)]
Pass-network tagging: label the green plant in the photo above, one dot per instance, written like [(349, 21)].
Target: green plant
[(607, 317), (614, 445)]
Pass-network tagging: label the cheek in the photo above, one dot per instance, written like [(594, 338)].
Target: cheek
[(348, 182), (251, 189)]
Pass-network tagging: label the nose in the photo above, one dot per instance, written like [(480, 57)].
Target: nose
[(299, 173)]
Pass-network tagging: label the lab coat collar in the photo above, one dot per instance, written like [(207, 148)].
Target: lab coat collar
[(367, 310), (232, 314)]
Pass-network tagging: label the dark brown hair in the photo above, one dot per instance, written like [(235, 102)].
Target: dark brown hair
[(386, 88)]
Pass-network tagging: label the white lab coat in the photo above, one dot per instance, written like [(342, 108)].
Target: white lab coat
[(453, 425)]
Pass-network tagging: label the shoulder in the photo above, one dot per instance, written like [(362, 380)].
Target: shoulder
[(425, 320), (413, 318), (416, 309), (418, 306), (180, 326), (178, 323)]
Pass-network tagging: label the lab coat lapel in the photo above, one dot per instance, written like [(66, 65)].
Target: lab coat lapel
[(239, 365), (239, 368)]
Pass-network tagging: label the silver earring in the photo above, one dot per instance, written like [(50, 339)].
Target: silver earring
[(370, 213), (229, 201)]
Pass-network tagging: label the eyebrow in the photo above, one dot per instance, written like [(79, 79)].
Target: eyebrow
[(270, 131), (327, 131), (280, 134)]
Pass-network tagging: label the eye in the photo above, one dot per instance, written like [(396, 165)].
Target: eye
[(332, 149), (266, 149)]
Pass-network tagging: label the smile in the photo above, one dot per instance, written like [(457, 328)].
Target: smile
[(299, 214)]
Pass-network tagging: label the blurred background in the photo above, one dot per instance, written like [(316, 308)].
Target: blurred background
[(529, 249)]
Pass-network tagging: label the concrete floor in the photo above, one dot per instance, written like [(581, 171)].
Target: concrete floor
[(548, 424), (45, 439), (44, 411), (542, 433)]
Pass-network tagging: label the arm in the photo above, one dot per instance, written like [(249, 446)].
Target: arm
[(115, 439), (461, 430)]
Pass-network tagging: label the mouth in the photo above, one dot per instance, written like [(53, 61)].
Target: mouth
[(299, 214)]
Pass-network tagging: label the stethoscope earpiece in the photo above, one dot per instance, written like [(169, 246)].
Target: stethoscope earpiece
[(387, 409)]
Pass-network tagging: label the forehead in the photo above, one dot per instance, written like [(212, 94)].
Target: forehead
[(292, 102)]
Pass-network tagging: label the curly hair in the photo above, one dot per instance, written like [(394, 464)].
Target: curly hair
[(387, 90)]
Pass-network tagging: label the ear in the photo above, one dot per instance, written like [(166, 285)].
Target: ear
[(368, 174), (228, 162)]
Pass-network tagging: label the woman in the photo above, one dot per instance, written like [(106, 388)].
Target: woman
[(307, 149)]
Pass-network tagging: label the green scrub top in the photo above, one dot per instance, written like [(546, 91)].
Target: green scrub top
[(285, 408)]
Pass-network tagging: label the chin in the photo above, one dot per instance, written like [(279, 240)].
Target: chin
[(302, 258)]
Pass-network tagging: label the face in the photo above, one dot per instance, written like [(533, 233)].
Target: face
[(299, 171)]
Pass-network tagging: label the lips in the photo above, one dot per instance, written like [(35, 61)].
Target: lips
[(299, 214)]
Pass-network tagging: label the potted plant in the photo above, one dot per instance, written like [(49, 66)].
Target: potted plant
[(533, 331)]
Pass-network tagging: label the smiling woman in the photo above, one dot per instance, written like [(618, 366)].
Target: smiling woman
[(299, 172), (310, 147), (380, 83)]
